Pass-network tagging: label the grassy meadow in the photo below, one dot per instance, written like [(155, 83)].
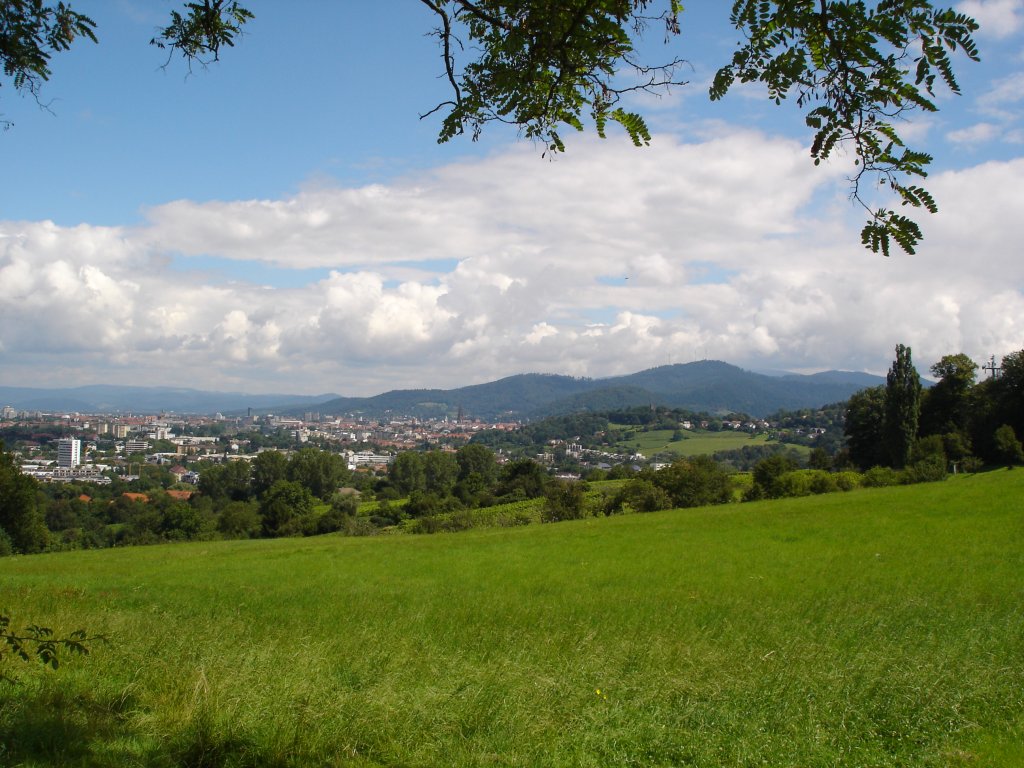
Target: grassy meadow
[(694, 443), (880, 627)]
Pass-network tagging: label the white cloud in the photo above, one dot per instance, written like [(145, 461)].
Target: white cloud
[(978, 133), (607, 261), (997, 18)]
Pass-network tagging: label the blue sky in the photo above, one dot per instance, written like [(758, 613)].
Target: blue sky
[(284, 221)]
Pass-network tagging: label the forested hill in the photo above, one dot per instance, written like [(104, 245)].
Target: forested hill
[(709, 386)]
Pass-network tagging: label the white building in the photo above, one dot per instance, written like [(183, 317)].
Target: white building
[(69, 452)]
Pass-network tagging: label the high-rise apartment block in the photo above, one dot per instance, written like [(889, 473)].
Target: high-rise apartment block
[(69, 452)]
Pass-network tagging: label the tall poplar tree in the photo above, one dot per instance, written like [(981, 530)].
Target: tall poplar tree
[(902, 407)]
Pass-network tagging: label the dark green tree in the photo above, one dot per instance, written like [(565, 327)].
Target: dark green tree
[(902, 407), (267, 468), (21, 517), (407, 473), (240, 520), (440, 472), (478, 473), (639, 494), (819, 459), (321, 472), (694, 482), (1008, 391), (226, 482), (286, 508), (524, 478), (563, 500), (946, 406), (767, 474), (1008, 447), (864, 428), (474, 459)]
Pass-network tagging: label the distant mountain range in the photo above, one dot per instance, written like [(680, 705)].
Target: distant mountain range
[(708, 386), (102, 398), (711, 386)]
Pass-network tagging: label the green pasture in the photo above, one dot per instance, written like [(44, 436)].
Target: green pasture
[(879, 627), (693, 443)]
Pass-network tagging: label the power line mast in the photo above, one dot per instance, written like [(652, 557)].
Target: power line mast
[(992, 368)]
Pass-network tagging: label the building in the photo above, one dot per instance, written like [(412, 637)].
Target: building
[(136, 446), (69, 452)]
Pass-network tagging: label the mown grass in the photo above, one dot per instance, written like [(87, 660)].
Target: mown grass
[(879, 627), (658, 441)]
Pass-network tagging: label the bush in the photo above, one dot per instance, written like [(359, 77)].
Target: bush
[(695, 482), (1008, 447), (768, 473), (822, 481), (792, 484), (637, 495), (881, 477), (564, 501), (928, 470), (971, 464), (847, 481)]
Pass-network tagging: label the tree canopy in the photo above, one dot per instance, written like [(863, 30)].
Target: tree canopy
[(855, 68)]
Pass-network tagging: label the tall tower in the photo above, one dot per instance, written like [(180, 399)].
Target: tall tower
[(69, 452)]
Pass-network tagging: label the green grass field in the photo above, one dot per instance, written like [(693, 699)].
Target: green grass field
[(695, 443), (880, 627)]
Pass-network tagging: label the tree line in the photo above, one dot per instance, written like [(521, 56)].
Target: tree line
[(959, 421), (897, 433)]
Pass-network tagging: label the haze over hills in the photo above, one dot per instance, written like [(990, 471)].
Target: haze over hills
[(702, 386), (109, 398), (709, 385)]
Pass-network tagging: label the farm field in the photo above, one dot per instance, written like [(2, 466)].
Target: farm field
[(694, 443), (879, 627)]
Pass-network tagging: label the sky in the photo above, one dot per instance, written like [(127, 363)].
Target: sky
[(283, 221)]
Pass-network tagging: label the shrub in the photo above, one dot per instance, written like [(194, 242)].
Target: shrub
[(1008, 446), (822, 481), (971, 464), (769, 471), (564, 501), (638, 495), (695, 482), (880, 477), (926, 470), (792, 484), (6, 547), (847, 481)]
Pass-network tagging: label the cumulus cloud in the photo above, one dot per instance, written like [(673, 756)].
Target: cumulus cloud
[(607, 261), (979, 133), (997, 18)]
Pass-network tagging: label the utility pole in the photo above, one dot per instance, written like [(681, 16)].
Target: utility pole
[(992, 368)]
